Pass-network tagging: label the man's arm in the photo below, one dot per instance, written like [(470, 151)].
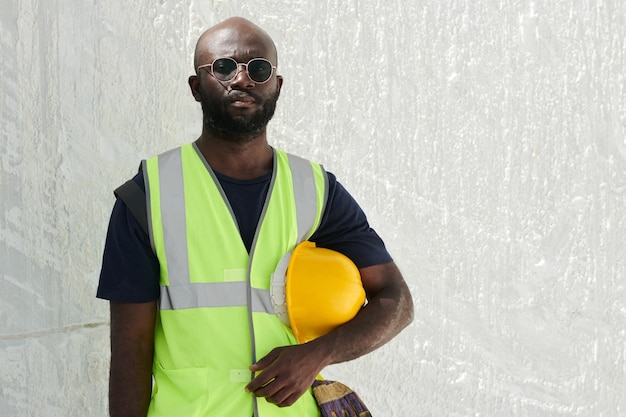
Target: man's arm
[(132, 347), (287, 372)]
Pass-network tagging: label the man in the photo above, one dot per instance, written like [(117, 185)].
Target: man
[(175, 292)]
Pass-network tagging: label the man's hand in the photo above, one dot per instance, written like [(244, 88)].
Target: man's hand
[(286, 373)]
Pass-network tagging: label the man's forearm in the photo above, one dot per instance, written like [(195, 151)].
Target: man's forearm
[(132, 347), (130, 387)]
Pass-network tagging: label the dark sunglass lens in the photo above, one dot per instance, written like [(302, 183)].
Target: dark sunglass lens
[(224, 69), (259, 70)]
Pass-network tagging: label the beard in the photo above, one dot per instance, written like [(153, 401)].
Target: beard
[(236, 128)]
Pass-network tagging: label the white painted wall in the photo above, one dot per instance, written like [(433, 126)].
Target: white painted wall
[(485, 139)]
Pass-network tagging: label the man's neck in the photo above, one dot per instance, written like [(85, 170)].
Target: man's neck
[(245, 159)]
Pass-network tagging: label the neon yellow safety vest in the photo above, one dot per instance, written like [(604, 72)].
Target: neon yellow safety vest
[(215, 314)]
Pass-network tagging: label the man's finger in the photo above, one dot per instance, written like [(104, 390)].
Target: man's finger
[(259, 382), (266, 389), (284, 397), (265, 361)]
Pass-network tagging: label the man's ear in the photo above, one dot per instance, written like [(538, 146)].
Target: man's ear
[(279, 83), (194, 84)]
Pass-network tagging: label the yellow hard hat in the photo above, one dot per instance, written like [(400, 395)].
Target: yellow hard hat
[(314, 290)]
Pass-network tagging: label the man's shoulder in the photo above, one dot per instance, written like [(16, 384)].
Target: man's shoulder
[(331, 176), (168, 151)]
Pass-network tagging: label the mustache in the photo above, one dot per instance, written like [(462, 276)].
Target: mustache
[(235, 95)]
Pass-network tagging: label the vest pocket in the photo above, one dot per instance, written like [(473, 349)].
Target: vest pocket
[(199, 392), (179, 391)]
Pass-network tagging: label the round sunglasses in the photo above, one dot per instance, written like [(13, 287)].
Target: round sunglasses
[(225, 69)]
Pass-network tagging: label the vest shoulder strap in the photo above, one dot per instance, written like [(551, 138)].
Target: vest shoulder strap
[(135, 199)]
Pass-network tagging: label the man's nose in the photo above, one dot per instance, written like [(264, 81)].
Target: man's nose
[(242, 78)]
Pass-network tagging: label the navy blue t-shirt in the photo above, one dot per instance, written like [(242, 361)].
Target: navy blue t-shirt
[(130, 269)]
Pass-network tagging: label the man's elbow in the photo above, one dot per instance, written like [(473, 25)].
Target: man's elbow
[(407, 309)]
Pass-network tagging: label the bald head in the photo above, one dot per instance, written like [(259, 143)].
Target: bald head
[(234, 37)]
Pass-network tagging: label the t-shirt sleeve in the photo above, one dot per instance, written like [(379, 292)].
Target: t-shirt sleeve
[(130, 270), (345, 229)]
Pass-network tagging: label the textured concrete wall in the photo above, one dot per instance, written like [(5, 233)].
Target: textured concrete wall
[(485, 139)]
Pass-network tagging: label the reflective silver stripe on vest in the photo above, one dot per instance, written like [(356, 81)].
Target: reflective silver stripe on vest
[(214, 294), (173, 197), (304, 191), (182, 293)]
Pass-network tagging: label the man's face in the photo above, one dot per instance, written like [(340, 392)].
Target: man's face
[(238, 109)]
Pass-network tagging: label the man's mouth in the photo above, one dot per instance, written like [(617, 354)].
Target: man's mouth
[(242, 99)]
